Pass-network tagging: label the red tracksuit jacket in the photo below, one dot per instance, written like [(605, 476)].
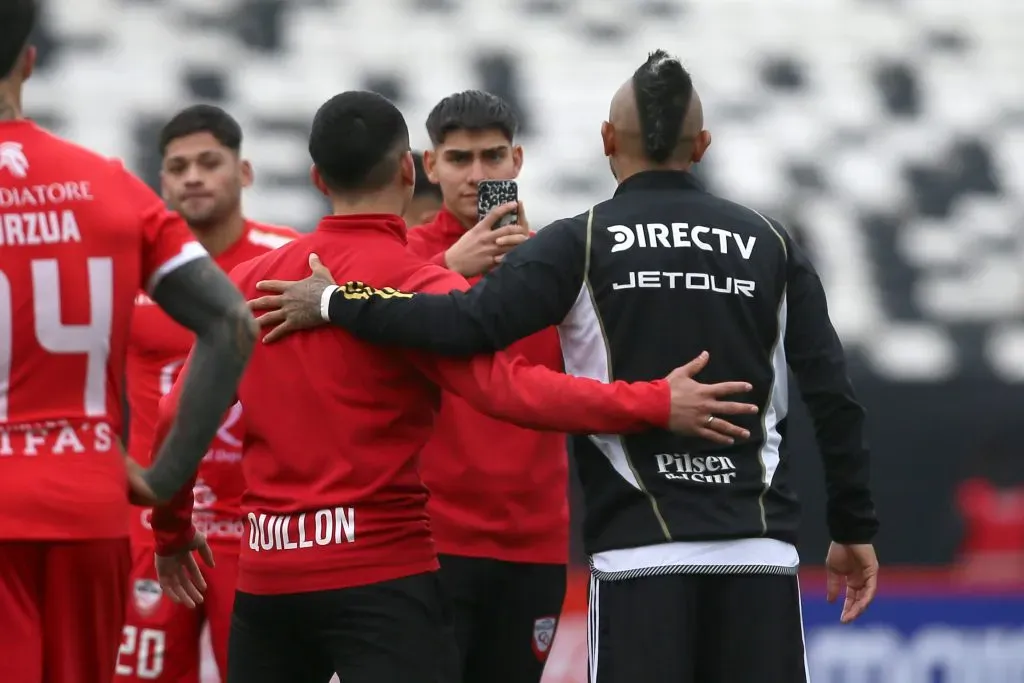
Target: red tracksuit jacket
[(334, 426), (496, 490)]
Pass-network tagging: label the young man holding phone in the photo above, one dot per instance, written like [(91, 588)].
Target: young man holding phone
[(498, 506)]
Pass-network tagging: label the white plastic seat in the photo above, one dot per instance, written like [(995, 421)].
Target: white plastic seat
[(930, 244), (842, 256)]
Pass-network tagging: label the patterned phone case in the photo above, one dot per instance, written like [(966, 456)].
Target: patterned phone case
[(494, 193)]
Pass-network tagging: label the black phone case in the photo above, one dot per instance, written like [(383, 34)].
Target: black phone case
[(494, 193)]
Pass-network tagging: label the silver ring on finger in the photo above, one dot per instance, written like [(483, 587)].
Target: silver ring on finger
[(707, 422)]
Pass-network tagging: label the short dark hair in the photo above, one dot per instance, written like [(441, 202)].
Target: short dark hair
[(663, 90), (472, 110), (357, 141), (424, 188), (202, 118), (17, 20)]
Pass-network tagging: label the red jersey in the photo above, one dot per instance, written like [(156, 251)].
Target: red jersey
[(157, 351), (334, 426), (496, 490), (79, 236)]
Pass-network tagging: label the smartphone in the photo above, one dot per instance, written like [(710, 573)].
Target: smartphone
[(493, 193)]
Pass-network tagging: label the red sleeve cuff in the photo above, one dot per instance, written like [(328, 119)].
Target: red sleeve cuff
[(440, 259), (172, 523), (169, 543), (661, 403)]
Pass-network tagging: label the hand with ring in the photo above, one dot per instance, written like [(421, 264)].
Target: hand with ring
[(694, 405)]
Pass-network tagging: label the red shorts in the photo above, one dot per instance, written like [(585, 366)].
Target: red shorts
[(161, 640), (62, 605)]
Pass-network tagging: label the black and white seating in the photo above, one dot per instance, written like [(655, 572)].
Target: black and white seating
[(888, 134)]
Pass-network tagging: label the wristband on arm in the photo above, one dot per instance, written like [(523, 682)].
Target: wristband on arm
[(325, 302)]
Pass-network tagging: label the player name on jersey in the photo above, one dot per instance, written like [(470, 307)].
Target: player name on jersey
[(40, 222), (41, 227), (292, 532)]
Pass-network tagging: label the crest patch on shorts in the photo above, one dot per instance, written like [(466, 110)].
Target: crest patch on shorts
[(543, 636)]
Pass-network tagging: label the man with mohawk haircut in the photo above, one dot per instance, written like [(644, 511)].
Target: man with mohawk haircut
[(691, 537)]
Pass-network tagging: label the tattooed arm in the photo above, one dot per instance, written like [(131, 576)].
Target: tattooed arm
[(200, 296)]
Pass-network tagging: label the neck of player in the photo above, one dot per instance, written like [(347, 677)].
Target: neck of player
[(217, 239), (384, 202), (10, 103), (626, 167), (468, 222)]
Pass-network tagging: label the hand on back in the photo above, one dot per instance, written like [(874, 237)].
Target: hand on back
[(696, 407), (293, 306)]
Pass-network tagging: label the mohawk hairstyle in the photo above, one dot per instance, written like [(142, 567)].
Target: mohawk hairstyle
[(663, 90), (17, 20), (357, 141), (472, 110), (203, 118)]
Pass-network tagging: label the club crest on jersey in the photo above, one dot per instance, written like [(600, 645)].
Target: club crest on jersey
[(543, 636), (12, 158), (147, 594)]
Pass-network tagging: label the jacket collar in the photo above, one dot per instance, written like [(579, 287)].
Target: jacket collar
[(448, 224), (660, 180), (382, 224), (237, 244)]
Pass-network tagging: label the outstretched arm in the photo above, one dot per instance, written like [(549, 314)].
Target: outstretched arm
[(536, 397), (199, 296), (539, 398), (535, 287)]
